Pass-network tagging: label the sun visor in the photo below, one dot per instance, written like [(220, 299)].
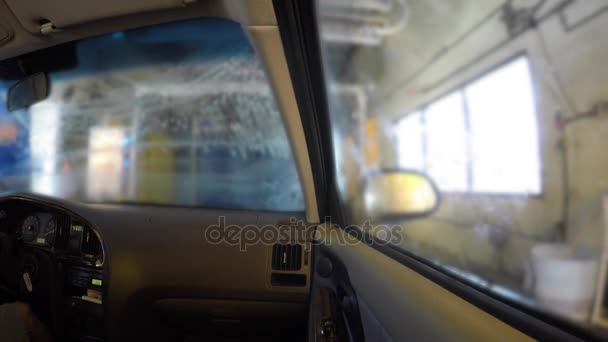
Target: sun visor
[(65, 13)]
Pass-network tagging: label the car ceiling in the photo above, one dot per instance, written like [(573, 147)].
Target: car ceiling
[(30, 25)]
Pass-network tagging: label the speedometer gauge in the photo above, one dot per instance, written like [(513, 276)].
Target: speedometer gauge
[(49, 231), (30, 228)]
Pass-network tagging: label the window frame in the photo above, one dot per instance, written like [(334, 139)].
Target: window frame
[(460, 89)]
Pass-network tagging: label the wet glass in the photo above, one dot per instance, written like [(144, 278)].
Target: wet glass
[(174, 114), (504, 105)]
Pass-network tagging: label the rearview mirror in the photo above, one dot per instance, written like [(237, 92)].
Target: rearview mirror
[(396, 195), (27, 92)]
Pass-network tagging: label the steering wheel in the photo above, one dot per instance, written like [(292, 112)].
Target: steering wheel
[(39, 285), (8, 269)]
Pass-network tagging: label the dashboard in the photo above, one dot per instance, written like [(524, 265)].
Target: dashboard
[(136, 272), (58, 261)]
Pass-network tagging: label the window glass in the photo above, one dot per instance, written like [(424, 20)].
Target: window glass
[(466, 145), (410, 137), (175, 114), (500, 105), (504, 106), (446, 143)]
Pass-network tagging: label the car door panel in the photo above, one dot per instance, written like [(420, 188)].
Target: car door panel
[(397, 303)]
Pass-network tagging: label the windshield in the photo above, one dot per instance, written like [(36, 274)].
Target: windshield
[(176, 114), (504, 105)]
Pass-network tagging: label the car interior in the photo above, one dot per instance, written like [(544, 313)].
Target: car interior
[(216, 170)]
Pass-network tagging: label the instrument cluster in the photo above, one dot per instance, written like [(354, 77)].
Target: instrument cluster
[(58, 265), (39, 229), (65, 236)]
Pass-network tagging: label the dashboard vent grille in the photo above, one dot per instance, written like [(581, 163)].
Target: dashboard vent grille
[(90, 242), (286, 257), (63, 232)]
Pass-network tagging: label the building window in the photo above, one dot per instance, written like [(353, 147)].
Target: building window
[(481, 138)]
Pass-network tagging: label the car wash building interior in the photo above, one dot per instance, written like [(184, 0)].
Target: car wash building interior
[(504, 105)]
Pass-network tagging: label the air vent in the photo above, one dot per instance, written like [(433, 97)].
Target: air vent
[(63, 232), (90, 242), (286, 257)]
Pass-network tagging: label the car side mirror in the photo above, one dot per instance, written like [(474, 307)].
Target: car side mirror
[(397, 195), (28, 91)]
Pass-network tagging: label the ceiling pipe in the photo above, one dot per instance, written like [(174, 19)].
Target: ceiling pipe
[(362, 22), (366, 5)]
